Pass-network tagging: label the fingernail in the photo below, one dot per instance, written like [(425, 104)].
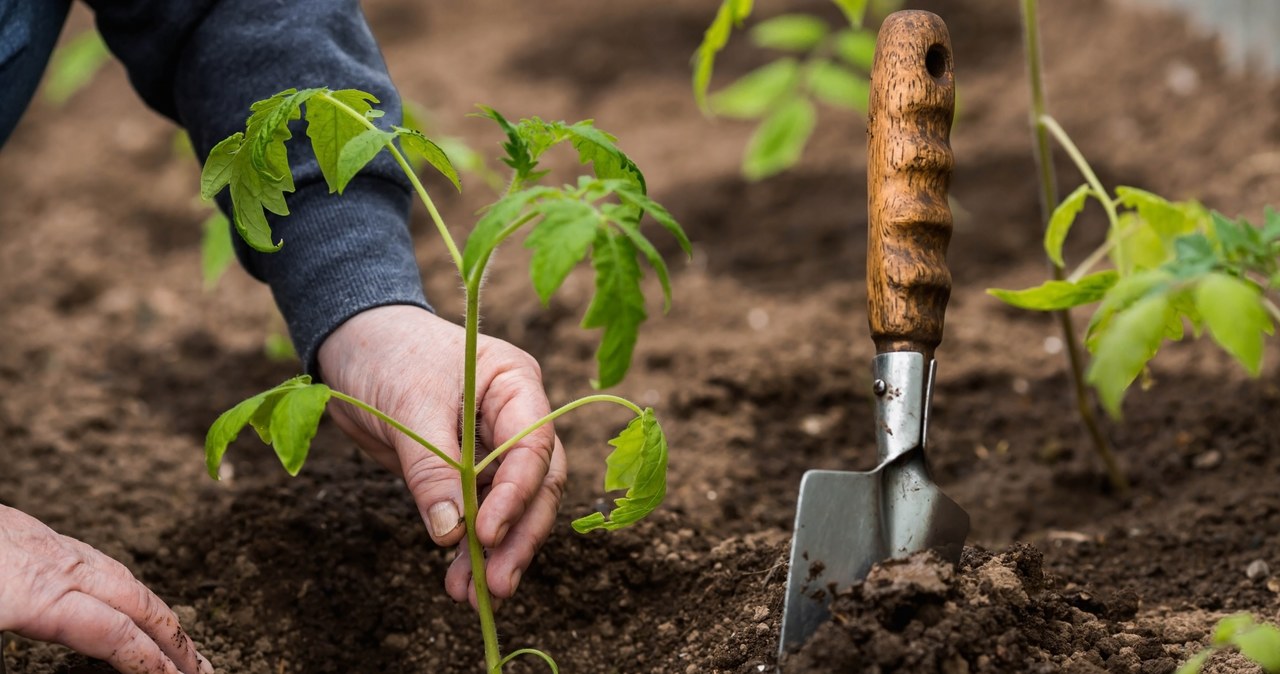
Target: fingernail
[(502, 533), (515, 579), (206, 667), (442, 518)]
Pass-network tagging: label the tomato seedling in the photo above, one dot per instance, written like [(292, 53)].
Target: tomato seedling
[(1174, 264), (601, 213), (1260, 642), (822, 64)]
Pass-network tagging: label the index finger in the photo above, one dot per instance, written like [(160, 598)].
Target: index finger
[(511, 406), (111, 583)]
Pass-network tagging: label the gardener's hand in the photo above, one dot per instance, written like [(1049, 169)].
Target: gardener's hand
[(54, 588), (408, 363)]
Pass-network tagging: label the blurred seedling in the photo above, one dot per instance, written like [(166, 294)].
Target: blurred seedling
[(820, 63)]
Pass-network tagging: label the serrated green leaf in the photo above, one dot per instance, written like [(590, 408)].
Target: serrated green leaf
[(1196, 662), (489, 229), (790, 32), (218, 168), (1124, 348), (273, 116), (601, 151), (247, 202), (1230, 626), (1260, 644), (1270, 225), (73, 66), (1232, 310), (1059, 295), (655, 210), (778, 142), (754, 94), (1193, 256), (333, 121), (638, 464), (617, 307), (1126, 291), (1235, 236), (294, 421), (731, 13), (559, 241), (358, 152), (836, 85), (420, 145), (1137, 246), (854, 10), (229, 424), (1055, 235), (216, 250), (258, 185), (518, 156), (622, 217), (1168, 220), (856, 47)]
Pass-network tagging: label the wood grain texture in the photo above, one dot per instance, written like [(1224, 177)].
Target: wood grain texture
[(908, 173)]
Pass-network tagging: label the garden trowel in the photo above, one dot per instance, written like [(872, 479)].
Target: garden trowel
[(848, 521)]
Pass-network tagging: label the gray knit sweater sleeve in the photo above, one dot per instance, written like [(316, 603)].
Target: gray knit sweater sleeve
[(203, 62)]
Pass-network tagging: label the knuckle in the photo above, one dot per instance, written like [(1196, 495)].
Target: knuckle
[(428, 474)]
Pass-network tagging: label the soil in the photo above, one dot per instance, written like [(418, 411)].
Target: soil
[(114, 362)]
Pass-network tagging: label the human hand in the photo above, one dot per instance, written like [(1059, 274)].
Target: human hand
[(55, 588), (408, 363)]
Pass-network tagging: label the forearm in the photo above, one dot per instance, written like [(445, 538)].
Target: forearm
[(341, 255)]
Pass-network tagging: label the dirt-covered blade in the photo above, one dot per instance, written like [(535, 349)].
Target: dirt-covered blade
[(846, 522)]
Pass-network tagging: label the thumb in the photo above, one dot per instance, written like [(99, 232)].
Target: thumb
[(436, 486)]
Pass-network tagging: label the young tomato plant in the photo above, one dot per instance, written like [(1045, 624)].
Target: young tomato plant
[(821, 64), (601, 214), (1174, 265), (1258, 642)]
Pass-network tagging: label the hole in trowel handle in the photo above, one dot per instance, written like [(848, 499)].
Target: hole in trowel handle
[(937, 61)]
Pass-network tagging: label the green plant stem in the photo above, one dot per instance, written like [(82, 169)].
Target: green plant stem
[(470, 498), (523, 651), (355, 402), (413, 178), (477, 275), (1266, 304), (1108, 204), (1040, 122), (600, 398)]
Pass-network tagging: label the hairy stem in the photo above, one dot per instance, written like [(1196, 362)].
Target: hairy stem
[(413, 178), (1048, 200), (478, 274), (470, 498), (600, 398), (355, 402)]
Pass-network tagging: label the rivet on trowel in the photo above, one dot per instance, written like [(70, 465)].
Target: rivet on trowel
[(879, 387)]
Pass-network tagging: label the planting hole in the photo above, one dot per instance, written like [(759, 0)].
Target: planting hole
[(935, 61)]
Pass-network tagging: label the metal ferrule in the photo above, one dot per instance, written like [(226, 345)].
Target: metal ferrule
[(903, 388)]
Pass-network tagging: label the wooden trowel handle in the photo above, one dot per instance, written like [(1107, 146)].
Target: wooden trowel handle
[(909, 164)]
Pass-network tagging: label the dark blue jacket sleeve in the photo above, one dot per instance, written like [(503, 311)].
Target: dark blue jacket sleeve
[(203, 62)]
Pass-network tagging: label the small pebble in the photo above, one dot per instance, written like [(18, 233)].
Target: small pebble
[(187, 616), (1257, 570), (1208, 460)]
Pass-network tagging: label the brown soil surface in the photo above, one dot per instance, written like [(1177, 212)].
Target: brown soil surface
[(114, 362)]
